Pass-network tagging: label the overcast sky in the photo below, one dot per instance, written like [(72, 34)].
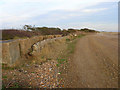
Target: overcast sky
[(94, 14)]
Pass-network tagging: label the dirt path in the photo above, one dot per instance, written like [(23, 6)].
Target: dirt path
[(95, 62)]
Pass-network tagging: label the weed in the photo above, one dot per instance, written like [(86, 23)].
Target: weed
[(3, 87), (67, 40), (16, 85), (71, 46), (32, 72), (59, 72), (4, 77), (57, 65), (22, 65), (61, 61), (49, 59), (7, 68), (41, 63), (43, 57), (81, 35)]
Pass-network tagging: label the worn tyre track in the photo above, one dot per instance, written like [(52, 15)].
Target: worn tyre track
[(94, 63)]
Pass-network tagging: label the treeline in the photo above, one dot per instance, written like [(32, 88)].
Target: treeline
[(52, 31), (29, 31), (88, 30)]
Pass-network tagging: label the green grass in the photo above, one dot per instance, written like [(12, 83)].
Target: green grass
[(67, 40), (71, 45), (49, 58), (69, 50), (61, 61), (43, 57), (3, 87), (57, 65), (7, 68), (32, 72), (79, 36), (16, 85), (4, 77)]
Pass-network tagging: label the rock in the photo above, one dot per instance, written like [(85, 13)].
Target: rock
[(41, 83), (50, 69), (41, 77), (20, 70), (36, 66)]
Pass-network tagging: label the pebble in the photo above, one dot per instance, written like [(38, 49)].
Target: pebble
[(27, 65), (25, 71), (88, 85), (45, 68), (58, 73), (41, 77), (36, 66), (20, 70), (41, 83), (50, 69), (46, 75)]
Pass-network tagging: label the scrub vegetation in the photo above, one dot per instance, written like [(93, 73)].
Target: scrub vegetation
[(30, 31)]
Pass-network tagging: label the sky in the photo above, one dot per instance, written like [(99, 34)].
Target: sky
[(99, 15)]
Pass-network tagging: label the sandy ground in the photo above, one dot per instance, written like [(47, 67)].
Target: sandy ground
[(95, 62)]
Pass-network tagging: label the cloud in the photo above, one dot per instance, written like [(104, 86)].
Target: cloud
[(60, 0), (17, 10), (47, 12), (94, 10), (100, 26)]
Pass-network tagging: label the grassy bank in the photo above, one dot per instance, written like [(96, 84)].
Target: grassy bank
[(64, 59), (70, 48)]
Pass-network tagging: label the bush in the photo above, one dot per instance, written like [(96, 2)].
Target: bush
[(87, 30), (14, 34), (35, 31)]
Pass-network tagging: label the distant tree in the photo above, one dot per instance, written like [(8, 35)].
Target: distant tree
[(71, 30), (28, 27), (88, 30)]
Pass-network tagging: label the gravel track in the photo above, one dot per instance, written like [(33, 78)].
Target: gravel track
[(95, 62)]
